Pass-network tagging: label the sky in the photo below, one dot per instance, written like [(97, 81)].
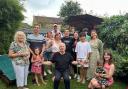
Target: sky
[(50, 8)]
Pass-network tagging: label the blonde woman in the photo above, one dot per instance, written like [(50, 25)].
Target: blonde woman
[(19, 52)]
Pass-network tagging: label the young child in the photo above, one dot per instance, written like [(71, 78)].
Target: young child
[(37, 66), (83, 50), (101, 71)]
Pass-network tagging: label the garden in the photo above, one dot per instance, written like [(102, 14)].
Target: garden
[(113, 32)]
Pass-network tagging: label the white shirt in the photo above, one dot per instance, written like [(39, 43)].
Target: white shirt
[(82, 49)]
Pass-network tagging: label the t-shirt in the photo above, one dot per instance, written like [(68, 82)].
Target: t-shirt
[(36, 41), (68, 42), (62, 61), (88, 38), (82, 49)]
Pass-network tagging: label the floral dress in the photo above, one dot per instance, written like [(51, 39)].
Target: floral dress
[(37, 64), (97, 52)]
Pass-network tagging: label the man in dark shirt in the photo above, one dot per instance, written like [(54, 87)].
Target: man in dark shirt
[(68, 41), (62, 61)]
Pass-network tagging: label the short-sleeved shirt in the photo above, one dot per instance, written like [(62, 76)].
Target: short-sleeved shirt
[(68, 42), (82, 49), (16, 48), (36, 41), (62, 61)]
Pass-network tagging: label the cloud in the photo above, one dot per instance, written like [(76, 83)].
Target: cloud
[(40, 4)]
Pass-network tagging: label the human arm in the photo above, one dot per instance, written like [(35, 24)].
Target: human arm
[(110, 73), (47, 62), (43, 49), (100, 48)]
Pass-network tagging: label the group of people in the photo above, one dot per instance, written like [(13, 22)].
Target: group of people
[(81, 53)]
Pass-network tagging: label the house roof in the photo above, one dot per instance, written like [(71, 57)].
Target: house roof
[(84, 21), (50, 20)]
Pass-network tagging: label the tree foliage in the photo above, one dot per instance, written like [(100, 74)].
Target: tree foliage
[(114, 33), (70, 8), (10, 19)]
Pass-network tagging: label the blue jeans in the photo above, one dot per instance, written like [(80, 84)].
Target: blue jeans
[(58, 75)]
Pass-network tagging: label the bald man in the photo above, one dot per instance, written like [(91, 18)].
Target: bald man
[(62, 61)]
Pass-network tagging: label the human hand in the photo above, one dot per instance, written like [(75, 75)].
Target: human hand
[(74, 62)]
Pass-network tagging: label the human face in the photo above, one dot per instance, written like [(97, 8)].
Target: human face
[(58, 36), (106, 57), (55, 27), (37, 51), (49, 34), (93, 34), (36, 29), (62, 47), (66, 33), (82, 38), (20, 38), (76, 35)]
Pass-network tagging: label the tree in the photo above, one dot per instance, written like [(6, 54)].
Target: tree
[(10, 19), (114, 33), (70, 8)]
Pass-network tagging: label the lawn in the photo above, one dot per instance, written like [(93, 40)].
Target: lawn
[(74, 85)]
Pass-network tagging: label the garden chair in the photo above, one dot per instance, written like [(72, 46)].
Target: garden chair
[(6, 70)]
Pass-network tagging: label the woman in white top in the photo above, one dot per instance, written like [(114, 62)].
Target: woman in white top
[(55, 43)]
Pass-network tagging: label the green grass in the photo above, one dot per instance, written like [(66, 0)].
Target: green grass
[(74, 85)]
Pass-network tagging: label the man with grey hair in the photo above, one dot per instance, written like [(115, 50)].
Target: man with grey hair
[(62, 60)]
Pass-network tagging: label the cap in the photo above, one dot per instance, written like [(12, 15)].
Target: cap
[(85, 29), (55, 25)]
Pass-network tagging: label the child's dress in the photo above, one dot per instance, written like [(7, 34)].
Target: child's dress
[(37, 65), (101, 80)]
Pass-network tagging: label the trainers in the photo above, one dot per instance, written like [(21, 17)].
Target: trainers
[(69, 77), (79, 80), (78, 77), (75, 76), (49, 71), (45, 74), (25, 88), (83, 82)]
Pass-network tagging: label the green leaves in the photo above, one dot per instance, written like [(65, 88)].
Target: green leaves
[(114, 32), (70, 8), (10, 19)]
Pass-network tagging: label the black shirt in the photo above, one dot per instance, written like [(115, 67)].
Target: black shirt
[(62, 61), (68, 42)]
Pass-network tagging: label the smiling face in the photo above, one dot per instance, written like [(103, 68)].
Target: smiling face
[(93, 34), (57, 36), (66, 33), (36, 29), (62, 47), (37, 51), (20, 38), (107, 57), (75, 35)]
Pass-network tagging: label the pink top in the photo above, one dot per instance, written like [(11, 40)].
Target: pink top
[(107, 68)]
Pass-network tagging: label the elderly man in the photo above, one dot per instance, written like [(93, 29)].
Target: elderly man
[(62, 61)]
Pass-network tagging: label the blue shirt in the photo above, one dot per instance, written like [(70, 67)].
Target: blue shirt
[(36, 41)]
